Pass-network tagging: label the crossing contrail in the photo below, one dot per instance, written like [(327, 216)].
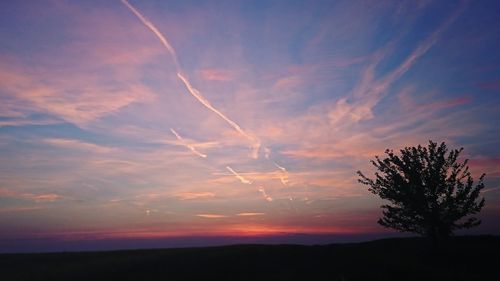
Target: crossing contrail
[(255, 142), (264, 194), (284, 174), (184, 143), (245, 181), (241, 178)]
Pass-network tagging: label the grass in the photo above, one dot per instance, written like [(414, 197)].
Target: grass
[(462, 258)]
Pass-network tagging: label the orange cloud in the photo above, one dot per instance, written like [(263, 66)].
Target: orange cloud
[(49, 197), (231, 229), (250, 214), (44, 197), (211, 216), (195, 195)]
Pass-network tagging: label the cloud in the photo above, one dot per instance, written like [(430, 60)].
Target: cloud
[(29, 92), (153, 28), (195, 195), (214, 74), (283, 175), (264, 194), (20, 209), (315, 127), (491, 85), (245, 181), (250, 214), (211, 216), (255, 142), (25, 121), (370, 90), (43, 197), (238, 176), (49, 197), (186, 144), (78, 145), (490, 189), (267, 152), (488, 165)]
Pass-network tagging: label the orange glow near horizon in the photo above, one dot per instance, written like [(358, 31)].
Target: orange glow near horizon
[(237, 230)]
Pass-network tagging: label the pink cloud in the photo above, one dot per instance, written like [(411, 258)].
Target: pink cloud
[(449, 103), (79, 145), (90, 76), (215, 74), (495, 161), (406, 100), (20, 209), (488, 165), (66, 98), (492, 85), (43, 197)]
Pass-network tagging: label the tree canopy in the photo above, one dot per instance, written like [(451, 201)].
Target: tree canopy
[(430, 192)]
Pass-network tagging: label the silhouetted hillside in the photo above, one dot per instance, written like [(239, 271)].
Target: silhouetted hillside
[(463, 258)]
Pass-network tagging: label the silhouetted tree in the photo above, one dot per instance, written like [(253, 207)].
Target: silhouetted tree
[(430, 192)]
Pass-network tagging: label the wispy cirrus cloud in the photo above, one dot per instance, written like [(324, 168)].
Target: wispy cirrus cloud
[(77, 81), (214, 74), (35, 197), (488, 165), (255, 142), (491, 85), (370, 90), (20, 209), (30, 91), (86, 117), (79, 145)]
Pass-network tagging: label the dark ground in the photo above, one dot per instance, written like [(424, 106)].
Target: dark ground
[(462, 258)]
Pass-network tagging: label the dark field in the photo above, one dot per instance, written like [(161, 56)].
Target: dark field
[(463, 258)]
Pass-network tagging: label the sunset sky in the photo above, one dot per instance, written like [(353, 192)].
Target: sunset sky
[(166, 119)]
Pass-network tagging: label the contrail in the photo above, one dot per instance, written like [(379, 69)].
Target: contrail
[(242, 179), (266, 196), (158, 34), (267, 152), (284, 174), (207, 104), (245, 181), (193, 91), (187, 144)]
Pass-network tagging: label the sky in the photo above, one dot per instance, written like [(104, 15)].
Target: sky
[(170, 120)]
